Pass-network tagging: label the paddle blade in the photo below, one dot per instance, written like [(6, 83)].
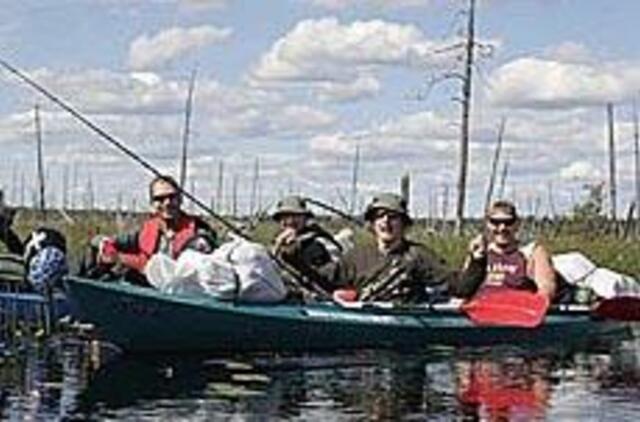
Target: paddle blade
[(507, 307), (623, 308)]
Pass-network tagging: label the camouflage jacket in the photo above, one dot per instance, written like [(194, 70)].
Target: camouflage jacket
[(409, 274), (314, 254)]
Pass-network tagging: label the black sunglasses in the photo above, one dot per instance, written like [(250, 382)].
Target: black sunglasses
[(162, 198), (506, 221), (386, 213)]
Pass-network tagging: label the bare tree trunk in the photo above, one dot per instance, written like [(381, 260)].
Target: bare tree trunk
[(185, 134), (405, 187), (552, 206), (466, 108), (234, 196), (41, 183), (354, 180), (612, 162), (503, 179), (220, 187), (254, 186), (494, 164), (636, 156)]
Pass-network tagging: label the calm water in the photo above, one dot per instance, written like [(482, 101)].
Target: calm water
[(68, 380)]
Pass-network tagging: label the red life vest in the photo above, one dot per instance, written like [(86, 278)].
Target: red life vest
[(149, 239)]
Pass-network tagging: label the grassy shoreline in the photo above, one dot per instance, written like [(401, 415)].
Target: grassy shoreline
[(604, 245)]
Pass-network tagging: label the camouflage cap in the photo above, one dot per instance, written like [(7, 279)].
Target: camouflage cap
[(291, 205), (390, 202)]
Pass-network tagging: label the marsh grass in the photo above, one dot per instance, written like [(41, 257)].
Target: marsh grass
[(603, 245)]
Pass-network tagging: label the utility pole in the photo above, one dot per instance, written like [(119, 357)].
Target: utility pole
[(41, 187), (612, 161), (185, 134), (494, 165), (466, 107)]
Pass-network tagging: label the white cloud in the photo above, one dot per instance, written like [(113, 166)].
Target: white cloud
[(373, 4), (569, 52), (364, 86), (341, 60), (539, 83), (148, 51), (580, 170), (204, 4)]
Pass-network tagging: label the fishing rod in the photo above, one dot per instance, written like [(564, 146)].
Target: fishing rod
[(301, 279), (335, 210), (116, 143)]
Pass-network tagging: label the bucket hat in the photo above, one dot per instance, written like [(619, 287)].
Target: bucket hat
[(291, 205), (390, 202)]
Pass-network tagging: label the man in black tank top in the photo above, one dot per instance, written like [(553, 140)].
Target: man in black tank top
[(497, 260)]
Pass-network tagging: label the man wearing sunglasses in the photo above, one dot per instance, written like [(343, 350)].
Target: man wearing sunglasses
[(168, 230), (497, 259), (393, 268)]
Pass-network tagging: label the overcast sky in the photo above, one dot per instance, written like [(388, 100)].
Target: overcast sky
[(298, 84)]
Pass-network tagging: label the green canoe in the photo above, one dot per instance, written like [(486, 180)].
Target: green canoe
[(143, 319)]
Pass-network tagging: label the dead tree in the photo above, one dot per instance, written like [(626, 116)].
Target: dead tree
[(612, 162), (41, 183), (187, 131), (494, 164)]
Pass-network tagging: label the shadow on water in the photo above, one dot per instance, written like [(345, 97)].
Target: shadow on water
[(65, 380)]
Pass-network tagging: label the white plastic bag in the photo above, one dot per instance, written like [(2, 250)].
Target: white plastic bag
[(577, 269), (238, 269), (573, 266), (257, 274)]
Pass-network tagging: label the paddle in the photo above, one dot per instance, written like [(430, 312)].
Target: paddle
[(507, 307), (622, 308)]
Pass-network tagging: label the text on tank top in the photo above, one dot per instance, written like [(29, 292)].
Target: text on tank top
[(508, 270)]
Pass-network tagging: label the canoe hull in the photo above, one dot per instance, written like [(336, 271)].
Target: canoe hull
[(139, 319)]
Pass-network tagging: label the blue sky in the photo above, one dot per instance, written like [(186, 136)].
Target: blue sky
[(297, 84)]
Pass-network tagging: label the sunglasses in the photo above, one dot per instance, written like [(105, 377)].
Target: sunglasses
[(391, 215), (506, 221), (162, 198)]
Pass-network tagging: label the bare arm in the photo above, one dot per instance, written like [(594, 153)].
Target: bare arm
[(542, 272)]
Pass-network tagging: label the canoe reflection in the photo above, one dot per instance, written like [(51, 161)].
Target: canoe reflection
[(66, 382), (511, 388)]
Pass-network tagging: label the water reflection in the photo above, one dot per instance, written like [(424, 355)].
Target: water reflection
[(70, 380)]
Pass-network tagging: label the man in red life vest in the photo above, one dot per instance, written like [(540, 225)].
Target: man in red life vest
[(169, 230), (497, 259)]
